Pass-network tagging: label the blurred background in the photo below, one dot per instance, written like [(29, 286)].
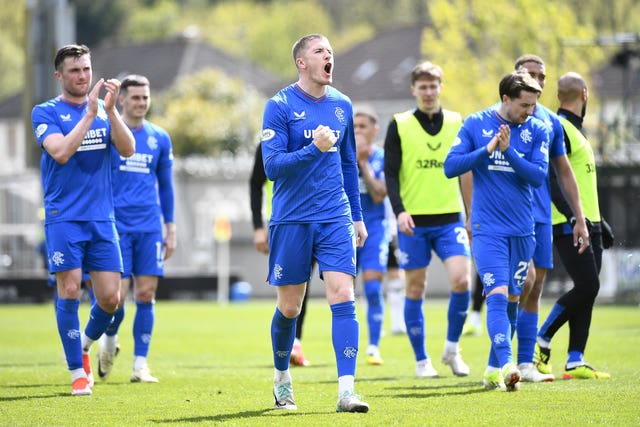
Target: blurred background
[(213, 64)]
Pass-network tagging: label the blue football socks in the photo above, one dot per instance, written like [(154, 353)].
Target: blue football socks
[(527, 330), (283, 332), (344, 334), (69, 330), (118, 316), (499, 328), (414, 319), (143, 327), (375, 311), (457, 314), (99, 321)]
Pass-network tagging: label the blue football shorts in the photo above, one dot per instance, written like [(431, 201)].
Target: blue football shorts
[(543, 253), (374, 255), (142, 254), (90, 245), (446, 240), (502, 261), (293, 247)]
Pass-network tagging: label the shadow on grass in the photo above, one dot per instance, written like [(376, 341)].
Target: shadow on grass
[(439, 390), (235, 416), (26, 365), (44, 396)]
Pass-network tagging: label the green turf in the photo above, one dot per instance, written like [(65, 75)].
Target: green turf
[(215, 367)]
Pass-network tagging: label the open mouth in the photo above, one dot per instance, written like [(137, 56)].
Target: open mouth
[(327, 68)]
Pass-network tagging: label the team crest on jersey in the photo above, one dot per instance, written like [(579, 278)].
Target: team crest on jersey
[(340, 114), (267, 134), (526, 136), (152, 142), (66, 117), (41, 129)]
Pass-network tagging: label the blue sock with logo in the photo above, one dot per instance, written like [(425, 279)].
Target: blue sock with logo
[(344, 334), (283, 332), (499, 328), (375, 310), (457, 314), (143, 327), (414, 319), (69, 330)]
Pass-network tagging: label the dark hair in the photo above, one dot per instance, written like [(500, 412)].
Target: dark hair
[(427, 70), (517, 81), (70, 51), (133, 80), (529, 57), (302, 43)]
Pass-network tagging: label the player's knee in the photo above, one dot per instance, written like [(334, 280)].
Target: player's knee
[(460, 283), (289, 310), (415, 291), (109, 304)]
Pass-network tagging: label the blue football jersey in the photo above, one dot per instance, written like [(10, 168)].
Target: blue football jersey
[(142, 183), (80, 189), (309, 185), (502, 181), (542, 194)]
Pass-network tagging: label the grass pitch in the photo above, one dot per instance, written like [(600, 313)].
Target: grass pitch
[(215, 368)]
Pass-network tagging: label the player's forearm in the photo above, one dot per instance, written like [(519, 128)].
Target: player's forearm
[(376, 188), (534, 172), (461, 162), (121, 135), (62, 147), (570, 189), (279, 164)]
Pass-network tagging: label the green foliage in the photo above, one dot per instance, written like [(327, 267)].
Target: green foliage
[(157, 21), (616, 17), (215, 367), (97, 20), (12, 56), (267, 41), (209, 113), (476, 43)]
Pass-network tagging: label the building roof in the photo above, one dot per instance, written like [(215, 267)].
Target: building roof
[(620, 78), (163, 62), (380, 68)]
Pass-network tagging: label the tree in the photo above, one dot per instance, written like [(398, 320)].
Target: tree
[(12, 54), (476, 43), (210, 113), (97, 20)]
